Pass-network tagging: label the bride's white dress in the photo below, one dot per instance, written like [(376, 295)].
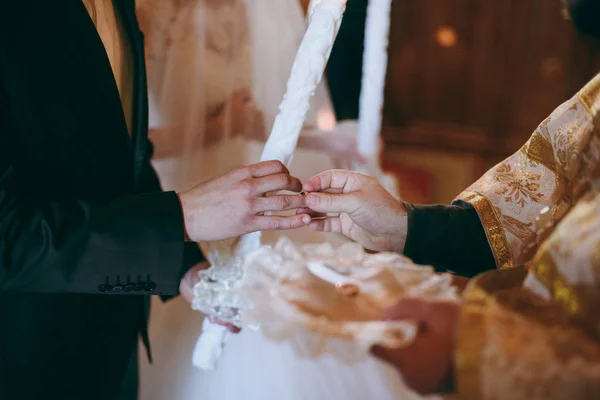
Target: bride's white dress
[(199, 53)]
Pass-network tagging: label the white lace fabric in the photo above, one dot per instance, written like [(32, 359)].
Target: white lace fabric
[(294, 293)]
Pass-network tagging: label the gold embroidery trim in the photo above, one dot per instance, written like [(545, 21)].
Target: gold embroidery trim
[(548, 274), (471, 336), (471, 342), (590, 95), (539, 149), (577, 300), (493, 228)]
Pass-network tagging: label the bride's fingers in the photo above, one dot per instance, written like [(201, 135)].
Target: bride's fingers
[(283, 202), (332, 224), (230, 327)]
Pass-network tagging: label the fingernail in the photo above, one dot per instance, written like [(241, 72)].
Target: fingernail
[(306, 220), (312, 200)]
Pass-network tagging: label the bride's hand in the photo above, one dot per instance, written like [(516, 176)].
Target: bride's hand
[(189, 280), (186, 289)]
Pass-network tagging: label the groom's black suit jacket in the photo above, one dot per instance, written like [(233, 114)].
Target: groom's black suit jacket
[(85, 233)]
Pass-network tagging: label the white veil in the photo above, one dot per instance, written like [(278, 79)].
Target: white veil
[(277, 28), (199, 53)]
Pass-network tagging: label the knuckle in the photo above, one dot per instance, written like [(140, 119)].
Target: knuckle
[(276, 166), (285, 202), (242, 171), (275, 224), (328, 201), (252, 205), (244, 186), (285, 180), (249, 222)]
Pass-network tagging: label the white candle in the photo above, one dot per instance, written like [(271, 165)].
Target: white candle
[(377, 28), (307, 71)]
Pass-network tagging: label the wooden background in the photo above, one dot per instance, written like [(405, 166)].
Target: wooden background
[(468, 81), (478, 76)]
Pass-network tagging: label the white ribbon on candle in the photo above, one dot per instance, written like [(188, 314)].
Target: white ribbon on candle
[(307, 71)]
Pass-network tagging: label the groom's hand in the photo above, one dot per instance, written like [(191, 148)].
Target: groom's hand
[(235, 203)]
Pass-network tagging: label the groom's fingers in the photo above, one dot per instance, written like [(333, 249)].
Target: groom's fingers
[(258, 170), (332, 203), (274, 183), (266, 168), (276, 223), (281, 202)]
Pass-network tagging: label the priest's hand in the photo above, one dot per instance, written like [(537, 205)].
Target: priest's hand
[(236, 203), (426, 364), (357, 206)]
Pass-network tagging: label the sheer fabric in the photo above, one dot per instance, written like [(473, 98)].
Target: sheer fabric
[(202, 57)]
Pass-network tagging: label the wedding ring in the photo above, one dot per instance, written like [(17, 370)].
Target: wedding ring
[(347, 289)]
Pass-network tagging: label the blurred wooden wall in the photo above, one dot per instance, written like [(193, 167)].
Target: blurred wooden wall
[(477, 76)]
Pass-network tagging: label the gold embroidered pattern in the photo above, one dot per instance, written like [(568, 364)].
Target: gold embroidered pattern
[(493, 228), (548, 274), (471, 342), (582, 301), (539, 149), (520, 229), (518, 187), (471, 338), (590, 95)]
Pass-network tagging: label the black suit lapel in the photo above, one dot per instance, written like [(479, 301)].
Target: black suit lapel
[(104, 79), (101, 75), (140, 91)]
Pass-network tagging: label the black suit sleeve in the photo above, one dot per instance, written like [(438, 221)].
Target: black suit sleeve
[(192, 254), (451, 238), (76, 246)]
